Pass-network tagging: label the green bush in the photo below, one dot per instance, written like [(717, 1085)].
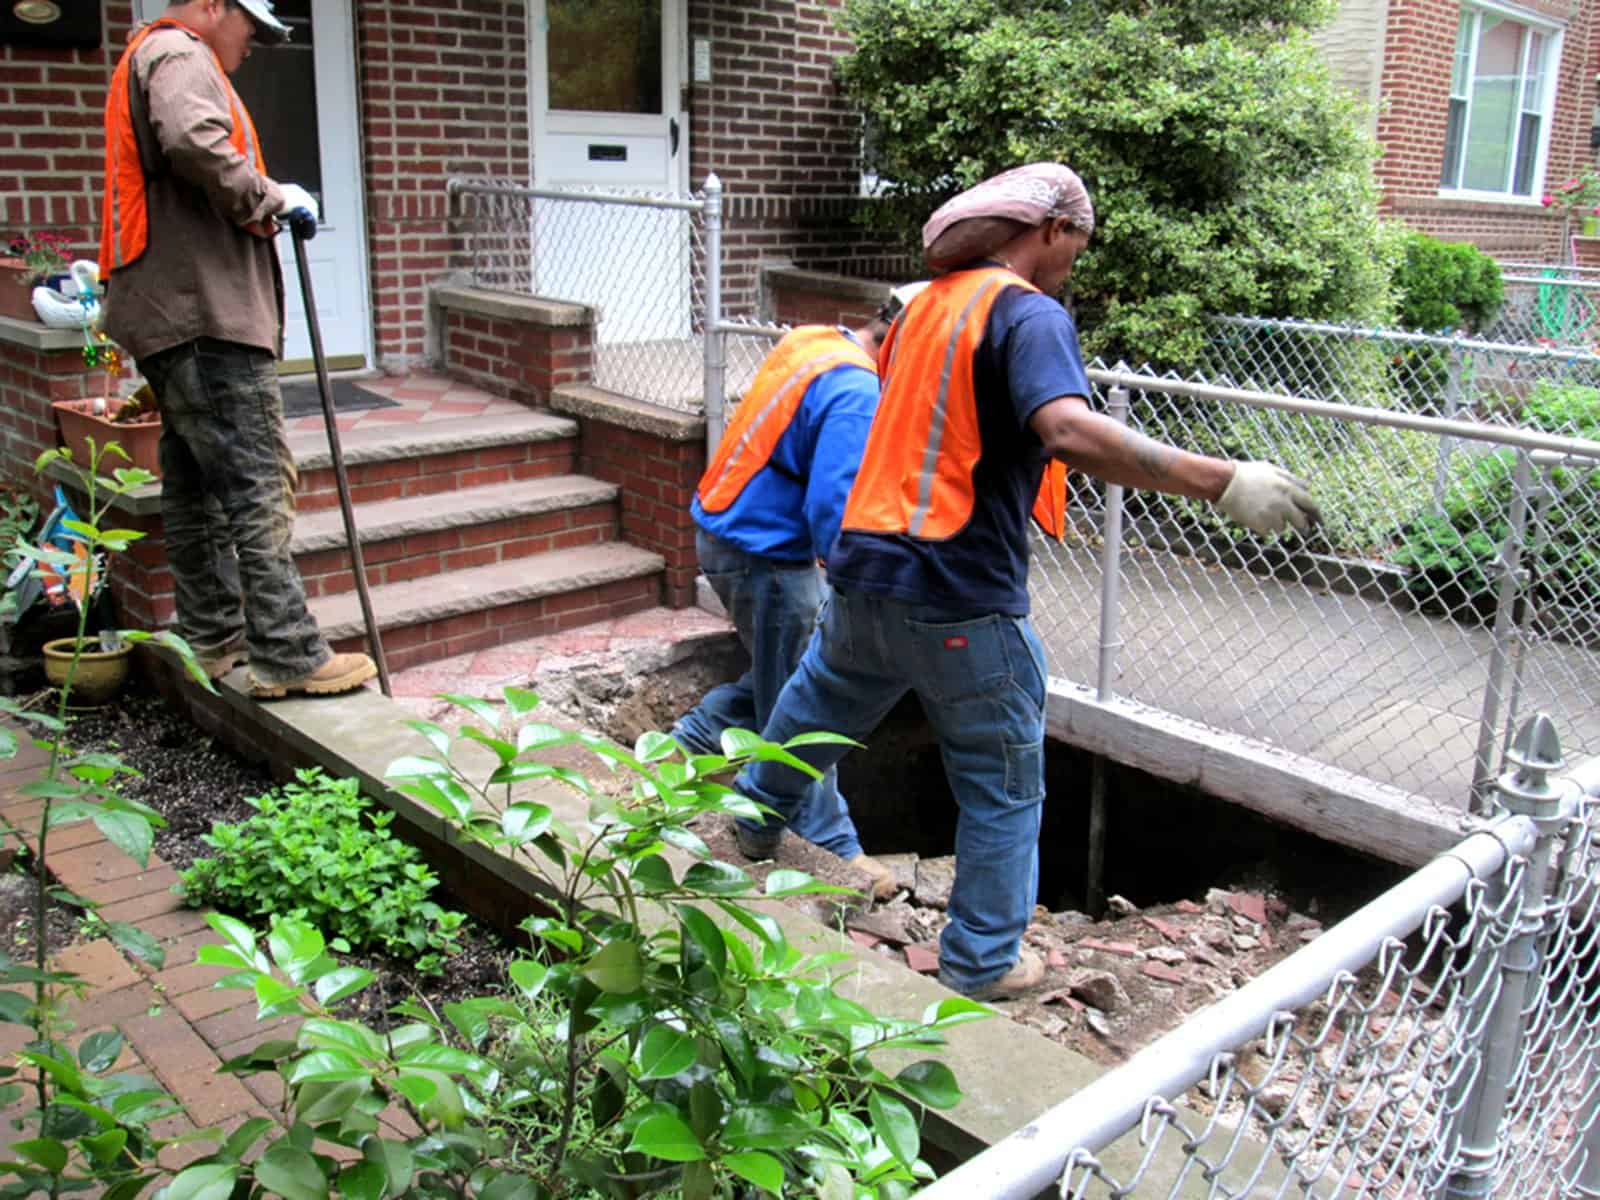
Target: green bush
[(1229, 173), (315, 852), (1443, 286), (1454, 550)]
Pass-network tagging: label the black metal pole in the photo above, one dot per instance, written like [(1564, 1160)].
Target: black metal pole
[(303, 227)]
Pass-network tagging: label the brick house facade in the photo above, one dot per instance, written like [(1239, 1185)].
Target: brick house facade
[(1396, 56), (442, 88)]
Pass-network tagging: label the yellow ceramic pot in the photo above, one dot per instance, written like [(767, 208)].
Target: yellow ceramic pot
[(101, 673)]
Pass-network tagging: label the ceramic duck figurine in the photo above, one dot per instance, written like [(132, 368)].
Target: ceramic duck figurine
[(60, 311)]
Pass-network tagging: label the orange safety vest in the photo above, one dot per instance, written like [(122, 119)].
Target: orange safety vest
[(770, 405), (916, 474), (125, 223)]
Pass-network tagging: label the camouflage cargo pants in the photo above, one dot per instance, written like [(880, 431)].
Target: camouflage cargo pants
[(227, 502)]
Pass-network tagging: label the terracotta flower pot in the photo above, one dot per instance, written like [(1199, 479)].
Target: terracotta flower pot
[(139, 438), (101, 673), (16, 291)]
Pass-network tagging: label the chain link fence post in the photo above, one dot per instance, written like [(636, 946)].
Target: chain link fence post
[(1110, 617), (1509, 561), (711, 320), (1525, 789)]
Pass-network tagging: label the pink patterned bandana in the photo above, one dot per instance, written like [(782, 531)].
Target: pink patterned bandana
[(1028, 194)]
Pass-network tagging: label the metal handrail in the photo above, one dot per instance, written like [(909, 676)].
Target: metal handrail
[(458, 186)]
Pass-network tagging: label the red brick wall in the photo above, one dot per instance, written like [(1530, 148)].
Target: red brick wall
[(784, 141), (443, 92), (51, 146), (29, 381), (1411, 129), (657, 476), (514, 359)]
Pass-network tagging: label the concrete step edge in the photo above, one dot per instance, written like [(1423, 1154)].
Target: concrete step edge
[(384, 520), (452, 593), (389, 443)]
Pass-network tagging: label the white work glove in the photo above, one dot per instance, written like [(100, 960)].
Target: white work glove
[(1267, 499), (295, 196)]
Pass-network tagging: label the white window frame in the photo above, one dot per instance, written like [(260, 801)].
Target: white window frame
[(1554, 32)]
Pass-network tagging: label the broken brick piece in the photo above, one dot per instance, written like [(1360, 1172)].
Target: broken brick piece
[(1125, 949), (1165, 974), (1165, 928), (1249, 905), (921, 959)]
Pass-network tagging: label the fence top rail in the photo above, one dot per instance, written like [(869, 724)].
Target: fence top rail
[(1027, 1161), (1502, 435), (1554, 281), (751, 328), (1406, 336), (1565, 268), (458, 185)]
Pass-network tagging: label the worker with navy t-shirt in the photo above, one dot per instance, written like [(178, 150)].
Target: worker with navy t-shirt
[(985, 401)]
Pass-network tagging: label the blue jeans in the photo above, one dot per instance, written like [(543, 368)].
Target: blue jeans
[(227, 507), (981, 681), (773, 606)]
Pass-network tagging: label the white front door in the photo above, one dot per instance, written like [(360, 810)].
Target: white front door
[(302, 98), (606, 114)]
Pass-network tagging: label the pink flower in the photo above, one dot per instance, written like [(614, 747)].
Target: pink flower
[(1547, 200)]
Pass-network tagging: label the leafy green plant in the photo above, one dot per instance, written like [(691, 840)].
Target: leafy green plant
[(89, 1127), (1444, 286), (1230, 174), (316, 850), (662, 1036), (1454, 552)]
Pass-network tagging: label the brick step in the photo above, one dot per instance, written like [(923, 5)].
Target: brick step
[(423, 620), (448, 531), (391, 462)]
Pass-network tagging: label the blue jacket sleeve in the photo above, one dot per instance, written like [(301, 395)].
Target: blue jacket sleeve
[(825, 443)]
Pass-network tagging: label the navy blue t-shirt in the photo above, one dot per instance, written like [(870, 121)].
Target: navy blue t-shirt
[(1028, 356)]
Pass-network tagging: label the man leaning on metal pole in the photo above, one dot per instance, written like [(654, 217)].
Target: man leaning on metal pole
[(983, 390), (766, 509), (195, 295)]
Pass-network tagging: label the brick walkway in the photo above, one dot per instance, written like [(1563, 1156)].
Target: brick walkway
[(178, 1028)]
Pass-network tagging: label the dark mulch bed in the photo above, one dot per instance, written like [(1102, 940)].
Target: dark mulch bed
[(192, 782)]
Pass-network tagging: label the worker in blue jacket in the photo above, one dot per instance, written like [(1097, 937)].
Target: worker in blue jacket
[(766, 510)]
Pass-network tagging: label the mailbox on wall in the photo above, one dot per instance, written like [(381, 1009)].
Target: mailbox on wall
[(50, 24)]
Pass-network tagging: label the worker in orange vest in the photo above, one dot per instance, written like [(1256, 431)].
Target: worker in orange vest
[(766, 511), (983, 390), (195, 295)]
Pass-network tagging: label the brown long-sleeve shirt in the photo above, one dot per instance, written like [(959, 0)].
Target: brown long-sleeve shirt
[(203, 273)]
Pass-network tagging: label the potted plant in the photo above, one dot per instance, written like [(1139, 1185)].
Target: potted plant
[(1579, 199), (133, 420), (30, 259)]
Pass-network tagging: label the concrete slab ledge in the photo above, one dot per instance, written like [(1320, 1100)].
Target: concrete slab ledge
[(512, 306), (36, 335), (843, 286), (1008, 1072), (597, 404)]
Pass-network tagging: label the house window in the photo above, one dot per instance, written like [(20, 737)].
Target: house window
[(1500, 99)]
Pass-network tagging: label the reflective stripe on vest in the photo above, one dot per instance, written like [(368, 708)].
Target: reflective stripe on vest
[(770, 405), (916, 474), (125, 223)]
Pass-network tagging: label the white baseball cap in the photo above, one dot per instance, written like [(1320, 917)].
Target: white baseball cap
[(900, 297), (269, 29)]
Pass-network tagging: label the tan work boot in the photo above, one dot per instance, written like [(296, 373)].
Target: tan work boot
[(341, 673), (883, 880), (1028, 973), (219, 664)]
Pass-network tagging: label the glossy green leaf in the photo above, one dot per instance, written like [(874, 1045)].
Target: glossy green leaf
[(206, 1181), (529, 976), (716, 879), (524, 822), (327, 1066), (48, 1152), (894, 1123), (666, 1136), (705, 934), (766, 1127), (132, 940), (484, 710), (617, 968), (361, 1181), (412, 766), (509, 1185), (100, 1050), (763, 1170), (785, 882), (128, 832), (953, 1011), (394, 1159), (664, 1052), (287, 1171), (653, 873), (931, 1083), (349, 1036), (339, 984)]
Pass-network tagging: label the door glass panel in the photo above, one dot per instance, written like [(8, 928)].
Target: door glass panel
[(604, 55), (279, 86)]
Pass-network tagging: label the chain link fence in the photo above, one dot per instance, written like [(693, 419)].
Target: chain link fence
[(1548, 305), (1450, 590), (1441, 1043), (638, 259)]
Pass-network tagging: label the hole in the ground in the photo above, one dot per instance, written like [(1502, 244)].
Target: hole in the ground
[(1164, 841)]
